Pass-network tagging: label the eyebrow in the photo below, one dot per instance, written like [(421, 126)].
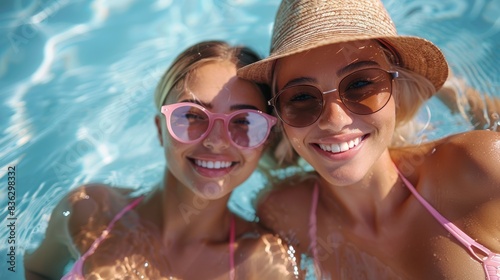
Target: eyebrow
[(232, 108), (195, 101), (341, 72), (243, 106), (356, 65), (300, 81)]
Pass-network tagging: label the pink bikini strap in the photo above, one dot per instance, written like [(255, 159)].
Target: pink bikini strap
[(232, 237), (313, 227), (78, 266), (110, 226), (461, 236)]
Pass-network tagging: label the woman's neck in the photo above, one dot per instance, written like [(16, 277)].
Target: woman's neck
[(368, 201), (189, 218)]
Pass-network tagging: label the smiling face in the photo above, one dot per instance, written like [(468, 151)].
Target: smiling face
[(213, 167), (340, 145)]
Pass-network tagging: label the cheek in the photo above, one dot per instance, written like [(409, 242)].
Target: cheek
[(252, 158), (252, 155), (388, 115), (296, 136), (170, 141), (173, 149), (385, 123)]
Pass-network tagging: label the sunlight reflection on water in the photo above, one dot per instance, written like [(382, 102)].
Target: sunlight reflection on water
[(77, 82)]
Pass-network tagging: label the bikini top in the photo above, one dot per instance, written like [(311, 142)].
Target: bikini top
[(76, 272), (491, 261)]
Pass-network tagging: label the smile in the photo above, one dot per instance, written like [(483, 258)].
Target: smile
[(212, 164), (340, 147)]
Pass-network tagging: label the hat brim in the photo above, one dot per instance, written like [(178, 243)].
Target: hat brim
[(416, 54)]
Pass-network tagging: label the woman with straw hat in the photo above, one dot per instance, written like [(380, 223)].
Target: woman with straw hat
[(343, 83)]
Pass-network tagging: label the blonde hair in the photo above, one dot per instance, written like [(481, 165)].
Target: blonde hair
[(176, 76)]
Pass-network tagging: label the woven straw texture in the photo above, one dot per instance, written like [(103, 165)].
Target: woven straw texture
[(305, 24)]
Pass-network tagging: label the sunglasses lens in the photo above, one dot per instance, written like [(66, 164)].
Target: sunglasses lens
[(189, 123), (366, 91), (299, 106), (248, 129), (362, 92)]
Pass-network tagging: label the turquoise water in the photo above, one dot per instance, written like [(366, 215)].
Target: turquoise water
[(77, 79)]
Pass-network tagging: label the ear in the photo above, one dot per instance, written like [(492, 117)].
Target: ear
[(158, 121)]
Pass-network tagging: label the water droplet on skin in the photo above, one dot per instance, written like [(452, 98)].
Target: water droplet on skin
[(296, 142), (433, 151)]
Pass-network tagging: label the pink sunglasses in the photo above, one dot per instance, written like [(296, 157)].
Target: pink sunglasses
[(189, 122)]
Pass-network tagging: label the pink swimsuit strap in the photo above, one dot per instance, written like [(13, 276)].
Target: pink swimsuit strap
[(76, 272), (491, 261), (232, 237), (313, 248)]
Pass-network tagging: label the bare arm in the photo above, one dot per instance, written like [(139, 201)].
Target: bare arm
[(50, 258), (58, 247), (268, 257), (285, 209), (480, 109), (469, 184)]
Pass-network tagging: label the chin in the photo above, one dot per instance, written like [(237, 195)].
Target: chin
[(345, 175), (211, 190)]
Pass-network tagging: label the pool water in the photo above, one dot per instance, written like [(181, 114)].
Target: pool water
[(77, 80)]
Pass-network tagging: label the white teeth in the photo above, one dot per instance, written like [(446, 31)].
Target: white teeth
[(351, 144), (213, 164), (341, 147), (344, 147)]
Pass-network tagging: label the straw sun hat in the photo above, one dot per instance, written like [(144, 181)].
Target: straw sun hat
[(305, 24)]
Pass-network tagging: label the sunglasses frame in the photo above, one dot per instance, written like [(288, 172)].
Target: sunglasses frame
[(167, 111), (272, 101)]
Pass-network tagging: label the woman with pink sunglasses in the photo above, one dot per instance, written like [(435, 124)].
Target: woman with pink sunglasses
[(214, 128)]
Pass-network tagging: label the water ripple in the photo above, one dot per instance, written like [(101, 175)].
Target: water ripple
[(78, 78)]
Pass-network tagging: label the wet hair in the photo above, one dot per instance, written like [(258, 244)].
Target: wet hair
[(177, 75)]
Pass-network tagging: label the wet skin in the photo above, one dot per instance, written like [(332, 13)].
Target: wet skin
[(369, 226)]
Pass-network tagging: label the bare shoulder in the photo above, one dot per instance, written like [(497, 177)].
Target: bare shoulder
[(72, 213), (465, 163), (472, 183), (286, 191), (472, 156), (284, 209), (485, 138), (459, 176), (86, 201), (470, 161), (80, 206)]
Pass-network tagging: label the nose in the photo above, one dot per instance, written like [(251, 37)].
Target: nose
[(335, 115), (217, 138)]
